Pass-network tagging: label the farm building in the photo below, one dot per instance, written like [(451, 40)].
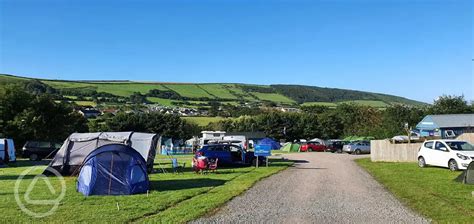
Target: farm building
[(446, 126)]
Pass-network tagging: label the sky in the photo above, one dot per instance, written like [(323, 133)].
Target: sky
[(418, 49)]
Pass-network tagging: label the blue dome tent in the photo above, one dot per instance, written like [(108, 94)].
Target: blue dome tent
[(114, 169), (268, 141)]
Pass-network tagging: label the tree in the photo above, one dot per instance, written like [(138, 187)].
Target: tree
[(448, 104), (28, 117)]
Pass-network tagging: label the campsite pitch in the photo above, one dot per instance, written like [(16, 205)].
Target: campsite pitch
[(174, 198)]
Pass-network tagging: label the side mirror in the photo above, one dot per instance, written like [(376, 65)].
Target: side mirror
[(443, 149)]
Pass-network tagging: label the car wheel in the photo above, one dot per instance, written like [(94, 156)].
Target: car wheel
[(453, 166), (357, 152), (34, 157), (421, 162)]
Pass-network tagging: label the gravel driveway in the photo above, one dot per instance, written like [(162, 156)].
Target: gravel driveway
[(320, 188)]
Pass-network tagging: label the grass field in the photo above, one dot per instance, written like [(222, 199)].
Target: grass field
[(202, 121), (174, 198), (326, 104), (274, 97), (189, 90), (430, 191), (372, 103), (219, 90), (85, 103)]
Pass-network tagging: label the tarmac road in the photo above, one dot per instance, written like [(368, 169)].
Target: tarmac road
[(320, 188)]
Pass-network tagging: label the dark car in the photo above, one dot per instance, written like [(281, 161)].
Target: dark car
[(228, 154), (37, 150), (335, 146)]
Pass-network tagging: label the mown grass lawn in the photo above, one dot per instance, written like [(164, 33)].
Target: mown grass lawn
[(432, 191), (174, 198)]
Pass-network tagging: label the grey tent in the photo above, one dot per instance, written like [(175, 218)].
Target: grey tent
[(78, 145), (467, 176)]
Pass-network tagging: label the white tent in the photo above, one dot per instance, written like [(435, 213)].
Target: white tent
[(78, 145)]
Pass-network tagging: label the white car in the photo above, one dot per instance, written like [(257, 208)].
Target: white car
[(453, 154)]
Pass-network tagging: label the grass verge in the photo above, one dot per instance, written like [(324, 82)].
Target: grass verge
[(432, 191)]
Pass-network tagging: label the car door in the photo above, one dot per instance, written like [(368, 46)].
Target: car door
[(427, 151), (44, 148), (366, 148), (440, 154), (225, 155)]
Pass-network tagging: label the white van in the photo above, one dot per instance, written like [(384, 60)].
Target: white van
[(7, 150), (237, 139)]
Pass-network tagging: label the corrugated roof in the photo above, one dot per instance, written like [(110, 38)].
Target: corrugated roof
[(453, 120)]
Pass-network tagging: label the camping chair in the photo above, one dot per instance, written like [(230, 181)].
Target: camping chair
[(176, 167), (200, 164), (213, 165)]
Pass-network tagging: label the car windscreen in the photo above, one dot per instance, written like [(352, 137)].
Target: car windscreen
[(460, 146)]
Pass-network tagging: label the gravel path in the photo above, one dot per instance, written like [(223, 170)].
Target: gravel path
[(320, 188)]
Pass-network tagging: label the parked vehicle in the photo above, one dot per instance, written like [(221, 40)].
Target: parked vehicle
[(7, 150), (229, 154), (237, 139), (359, 147), (335, 146), (313, 147), (404, 138), (452, 154), (37, 150)]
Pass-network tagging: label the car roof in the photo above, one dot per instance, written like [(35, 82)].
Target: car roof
[(446, 140), (219, 145)]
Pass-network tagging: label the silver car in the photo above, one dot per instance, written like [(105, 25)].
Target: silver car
[(357, 147)]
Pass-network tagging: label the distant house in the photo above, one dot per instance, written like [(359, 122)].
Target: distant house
[(446, 126), (90, 113)]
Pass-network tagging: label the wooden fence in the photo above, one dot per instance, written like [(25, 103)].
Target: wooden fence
[(384, 150)]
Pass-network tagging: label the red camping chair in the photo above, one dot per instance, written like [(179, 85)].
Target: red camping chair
[(200, 164), (213, 165)]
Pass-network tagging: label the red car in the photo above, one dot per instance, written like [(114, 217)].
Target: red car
[(313, 146)]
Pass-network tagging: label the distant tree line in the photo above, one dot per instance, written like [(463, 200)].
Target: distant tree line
[(343, 120), (25, 116)]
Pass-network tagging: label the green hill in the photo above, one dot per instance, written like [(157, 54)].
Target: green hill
[(201, 93)]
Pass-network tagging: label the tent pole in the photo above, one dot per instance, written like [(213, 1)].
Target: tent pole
[(111, 172)]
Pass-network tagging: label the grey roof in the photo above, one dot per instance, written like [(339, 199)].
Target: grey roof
[(453, 120)]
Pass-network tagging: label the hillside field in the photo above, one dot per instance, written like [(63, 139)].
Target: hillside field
[(201, 93)]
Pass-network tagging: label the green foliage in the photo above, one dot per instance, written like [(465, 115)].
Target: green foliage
[(447, 104), (165, 94), (138, 98), (28, 117)]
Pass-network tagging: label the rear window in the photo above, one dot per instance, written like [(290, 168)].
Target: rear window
[(32, 144), (44, 144), (429, 145)]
